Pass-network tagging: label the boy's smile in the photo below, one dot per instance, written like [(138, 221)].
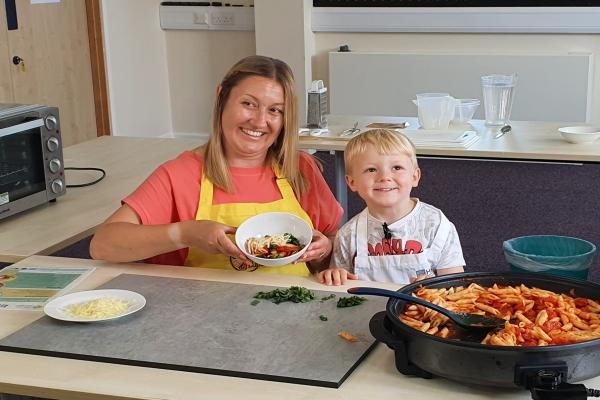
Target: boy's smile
[(384, 182)]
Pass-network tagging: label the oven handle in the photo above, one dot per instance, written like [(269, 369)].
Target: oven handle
[(21, 127)]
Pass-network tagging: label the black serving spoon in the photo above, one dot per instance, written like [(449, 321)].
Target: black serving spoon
[(467, 321)]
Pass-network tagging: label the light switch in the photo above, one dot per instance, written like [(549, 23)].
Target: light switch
[(201, 18)]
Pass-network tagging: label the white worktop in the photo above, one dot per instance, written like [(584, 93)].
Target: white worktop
[(375, 378), (74, 216), (528, 140)]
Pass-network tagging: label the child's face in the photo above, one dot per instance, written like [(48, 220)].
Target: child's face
[(384, 182)]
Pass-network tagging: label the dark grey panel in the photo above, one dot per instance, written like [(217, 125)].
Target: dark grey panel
[(211, 327)]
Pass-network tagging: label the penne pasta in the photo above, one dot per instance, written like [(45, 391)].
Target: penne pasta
[(534, 316)]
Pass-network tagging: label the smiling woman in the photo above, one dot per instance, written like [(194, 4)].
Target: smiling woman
[(187, 210)]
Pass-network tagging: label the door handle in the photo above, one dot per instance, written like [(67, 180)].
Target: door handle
[(19, 61)]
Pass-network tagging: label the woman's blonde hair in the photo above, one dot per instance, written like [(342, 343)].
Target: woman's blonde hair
[(283, 155), (384, 141)]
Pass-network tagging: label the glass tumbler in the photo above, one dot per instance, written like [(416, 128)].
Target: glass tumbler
[(498, 94)]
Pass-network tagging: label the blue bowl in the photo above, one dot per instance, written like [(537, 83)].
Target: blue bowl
[(557, 255)]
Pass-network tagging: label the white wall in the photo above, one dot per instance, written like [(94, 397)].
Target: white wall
[(163, 82), (197, 61), (136, 67), (283, 31)]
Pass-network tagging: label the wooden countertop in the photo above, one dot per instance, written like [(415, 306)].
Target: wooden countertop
[(375, 378), (75, 215), (528, 140)]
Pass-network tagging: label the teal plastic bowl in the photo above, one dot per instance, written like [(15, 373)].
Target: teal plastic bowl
[(556, 255)]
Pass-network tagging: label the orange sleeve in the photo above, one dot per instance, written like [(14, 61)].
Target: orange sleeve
[(319, 202)]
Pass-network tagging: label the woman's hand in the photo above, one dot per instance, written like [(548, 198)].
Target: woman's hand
[(318, 253), (335, 276), (211, 237), (320, 248)]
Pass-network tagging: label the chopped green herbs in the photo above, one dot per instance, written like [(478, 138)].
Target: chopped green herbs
[(350, 301), (254, 302), (331, 296), (294, 294), (323, 317)]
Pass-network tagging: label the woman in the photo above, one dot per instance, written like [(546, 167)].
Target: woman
[(183, 213)]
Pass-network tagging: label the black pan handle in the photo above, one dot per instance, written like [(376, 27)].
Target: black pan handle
[(397, 295), (379, 329)]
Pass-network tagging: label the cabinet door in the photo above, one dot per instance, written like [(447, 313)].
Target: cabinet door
[(52, 39), (6, 95)]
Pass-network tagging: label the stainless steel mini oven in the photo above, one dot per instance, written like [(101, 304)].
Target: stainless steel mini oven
[(31, 157)]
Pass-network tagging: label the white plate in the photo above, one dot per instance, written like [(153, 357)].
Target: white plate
[(56, 308)]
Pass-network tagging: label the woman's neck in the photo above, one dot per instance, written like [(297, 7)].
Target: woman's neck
[(246, 161)]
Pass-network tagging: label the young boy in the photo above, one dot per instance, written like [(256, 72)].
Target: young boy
[(397, 238)]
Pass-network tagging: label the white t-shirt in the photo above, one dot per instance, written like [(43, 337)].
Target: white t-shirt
[(410, 235)]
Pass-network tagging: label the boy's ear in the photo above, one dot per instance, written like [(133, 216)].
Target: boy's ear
[(416, 177), (350, 182)]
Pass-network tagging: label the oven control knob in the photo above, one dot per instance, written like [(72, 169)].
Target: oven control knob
[(57, 186), (54, 165), (50, 122), (52, 143)]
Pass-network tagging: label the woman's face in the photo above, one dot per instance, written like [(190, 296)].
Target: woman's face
[(252, 120)]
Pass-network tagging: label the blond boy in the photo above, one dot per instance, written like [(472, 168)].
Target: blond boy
[(397, 238)]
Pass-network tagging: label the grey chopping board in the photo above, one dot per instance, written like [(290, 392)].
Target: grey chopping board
[(212, 327)]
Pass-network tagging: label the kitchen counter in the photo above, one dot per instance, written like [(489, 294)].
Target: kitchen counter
[(528, 140), (375, 378), (75, 215)]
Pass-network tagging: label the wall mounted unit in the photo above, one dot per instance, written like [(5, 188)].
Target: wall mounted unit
[(214, 18)]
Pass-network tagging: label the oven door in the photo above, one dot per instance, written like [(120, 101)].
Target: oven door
[(22, 179)]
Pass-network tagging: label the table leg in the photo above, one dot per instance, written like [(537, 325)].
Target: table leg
[(341, 191)]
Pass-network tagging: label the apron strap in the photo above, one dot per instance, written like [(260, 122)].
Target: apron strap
[(442, 234), (206, 198), (361, 236)]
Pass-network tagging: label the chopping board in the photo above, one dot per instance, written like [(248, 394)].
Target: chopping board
[(212, 327)]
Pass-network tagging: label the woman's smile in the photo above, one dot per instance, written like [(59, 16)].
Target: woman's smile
[(252, 133)]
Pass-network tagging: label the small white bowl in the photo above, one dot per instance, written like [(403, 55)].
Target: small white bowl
[(273, 223), (580, 134)]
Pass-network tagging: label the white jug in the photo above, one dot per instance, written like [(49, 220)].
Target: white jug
[(435, 112)]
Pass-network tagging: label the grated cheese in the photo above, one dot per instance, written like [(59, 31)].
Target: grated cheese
[(106, 307)]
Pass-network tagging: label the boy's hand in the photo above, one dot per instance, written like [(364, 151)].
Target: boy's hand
[(335, 276)]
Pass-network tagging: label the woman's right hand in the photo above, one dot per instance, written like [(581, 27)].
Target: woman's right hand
[(210, 237)]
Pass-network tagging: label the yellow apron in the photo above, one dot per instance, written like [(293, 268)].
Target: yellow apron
[(234, 214)]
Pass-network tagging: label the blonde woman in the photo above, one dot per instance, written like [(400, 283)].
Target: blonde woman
[(187, 210)]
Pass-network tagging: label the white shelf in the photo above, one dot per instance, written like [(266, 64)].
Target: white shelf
[(457, 19), (207, 18)]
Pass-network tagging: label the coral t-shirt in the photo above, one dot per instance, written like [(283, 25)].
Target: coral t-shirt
[(170, 194)]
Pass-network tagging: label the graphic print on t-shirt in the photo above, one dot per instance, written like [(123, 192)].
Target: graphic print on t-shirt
[(387, 247)]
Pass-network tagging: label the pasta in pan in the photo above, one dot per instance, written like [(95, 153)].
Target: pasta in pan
[(534, 317), (273, 246)]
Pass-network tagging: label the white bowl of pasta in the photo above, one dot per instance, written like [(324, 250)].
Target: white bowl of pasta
[(273, 239)]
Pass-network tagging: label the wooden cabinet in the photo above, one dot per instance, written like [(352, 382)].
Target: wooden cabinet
[(52, 41)]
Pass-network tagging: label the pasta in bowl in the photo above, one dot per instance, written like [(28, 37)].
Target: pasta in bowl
[(273, 239)]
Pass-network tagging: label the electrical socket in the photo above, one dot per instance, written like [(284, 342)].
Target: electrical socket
[(222, 19)]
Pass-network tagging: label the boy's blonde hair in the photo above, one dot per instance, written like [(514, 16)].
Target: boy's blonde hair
[(384, 141), (283, 154)]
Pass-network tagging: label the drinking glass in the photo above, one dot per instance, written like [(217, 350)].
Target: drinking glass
[(498, 93)]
